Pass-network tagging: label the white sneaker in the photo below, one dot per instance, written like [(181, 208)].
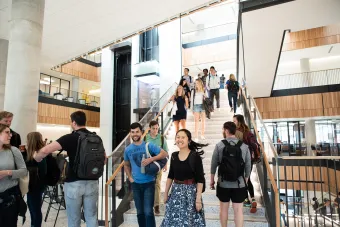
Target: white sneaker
[(196, 139), (202, 137)]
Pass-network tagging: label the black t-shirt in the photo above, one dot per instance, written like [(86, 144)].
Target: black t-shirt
[(69, 143), (181, 170), (15, 139)]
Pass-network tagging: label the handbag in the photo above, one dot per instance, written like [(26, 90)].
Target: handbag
[(154, 167), (23, 181)]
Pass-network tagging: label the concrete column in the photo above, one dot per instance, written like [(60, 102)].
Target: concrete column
[(3, 67), (106, 99), (75, 88), (23, 64), (310, 133), (304, 65), (305, 69)]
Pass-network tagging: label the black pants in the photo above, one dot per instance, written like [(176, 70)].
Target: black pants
[(34, 200), (215, 93), (9, 208), (250, 186), (232, 97)]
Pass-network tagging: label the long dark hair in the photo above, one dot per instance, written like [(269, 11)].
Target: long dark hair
[(241, 123), (34, 143), (184, 86), (193, 146)]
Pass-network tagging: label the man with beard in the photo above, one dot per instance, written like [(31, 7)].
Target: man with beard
[(229, 156), (143, 185), (6, 119)]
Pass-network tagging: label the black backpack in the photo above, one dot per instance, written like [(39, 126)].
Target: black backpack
[(90, 157), (192, 160), (53, 172), (233, 86), (232, 165)]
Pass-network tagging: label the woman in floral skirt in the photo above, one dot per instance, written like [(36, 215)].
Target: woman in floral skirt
[(184, 205)]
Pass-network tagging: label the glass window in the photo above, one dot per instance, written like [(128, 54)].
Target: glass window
[(149, 45)]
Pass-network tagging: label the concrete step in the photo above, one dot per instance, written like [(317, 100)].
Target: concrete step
[(209, 223), (212, 219), (213, 208)]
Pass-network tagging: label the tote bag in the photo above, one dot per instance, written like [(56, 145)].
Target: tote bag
[(154, 167)]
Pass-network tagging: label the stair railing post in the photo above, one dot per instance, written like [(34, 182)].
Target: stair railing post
[(113, 212), (162, 124)]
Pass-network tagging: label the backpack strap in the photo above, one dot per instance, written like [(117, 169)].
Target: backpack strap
[(162, 142), (192, 161)]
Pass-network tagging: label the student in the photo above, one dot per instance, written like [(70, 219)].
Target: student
[(6, 119), (214, 87), (12, 167), (222, 81), (79, 191), (337, 203), (234, 92), (283, 209), (204, 78), (186, 88), (186, 179), (232, 158), (243, 133), (143, 185), (159, 140), (37, 173), (188, 78), (182, 103), (199, 111), (327, 209)]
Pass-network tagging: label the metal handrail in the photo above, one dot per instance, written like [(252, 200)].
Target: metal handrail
[(115, 173), (261, 120), (265, 159), (306, 79), (307, 72), (128, 135)]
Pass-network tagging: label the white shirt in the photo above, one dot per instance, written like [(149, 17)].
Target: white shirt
[(213, 82), (198, 99)]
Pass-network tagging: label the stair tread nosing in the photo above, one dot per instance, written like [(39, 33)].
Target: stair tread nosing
[(131, 215)]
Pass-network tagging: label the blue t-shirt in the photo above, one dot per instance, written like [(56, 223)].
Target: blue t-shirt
[(134, 155)]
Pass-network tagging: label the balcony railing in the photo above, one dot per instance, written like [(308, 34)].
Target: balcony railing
[(307, 79), (68, 95)]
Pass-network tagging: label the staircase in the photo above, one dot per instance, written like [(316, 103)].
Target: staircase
[(213, 134)]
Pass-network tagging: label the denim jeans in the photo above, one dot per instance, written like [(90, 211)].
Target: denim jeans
[(284, 219), (81, 193), (143, 195), (34, 200), (232, 97)]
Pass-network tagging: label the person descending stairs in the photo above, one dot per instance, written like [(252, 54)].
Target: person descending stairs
[(213, 135)]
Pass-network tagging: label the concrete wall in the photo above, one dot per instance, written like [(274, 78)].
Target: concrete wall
[(263, 30)]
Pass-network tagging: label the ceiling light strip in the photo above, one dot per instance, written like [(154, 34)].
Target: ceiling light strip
[(194, 10)]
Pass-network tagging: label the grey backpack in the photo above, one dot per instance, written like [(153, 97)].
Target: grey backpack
[(90, 157)]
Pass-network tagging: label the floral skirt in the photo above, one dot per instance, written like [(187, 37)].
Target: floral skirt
[(180, 209)]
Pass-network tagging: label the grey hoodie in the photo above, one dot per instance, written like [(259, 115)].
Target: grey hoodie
[(217, 158)]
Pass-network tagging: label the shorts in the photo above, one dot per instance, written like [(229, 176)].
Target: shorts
[(236, 195), (198, 108)]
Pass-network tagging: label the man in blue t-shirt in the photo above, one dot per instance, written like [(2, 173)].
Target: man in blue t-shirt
[(143, 185)]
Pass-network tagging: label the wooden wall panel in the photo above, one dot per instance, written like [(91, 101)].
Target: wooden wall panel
[(53, 114), (312, 37), (331, 99), (82, 70), (300, 106)]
